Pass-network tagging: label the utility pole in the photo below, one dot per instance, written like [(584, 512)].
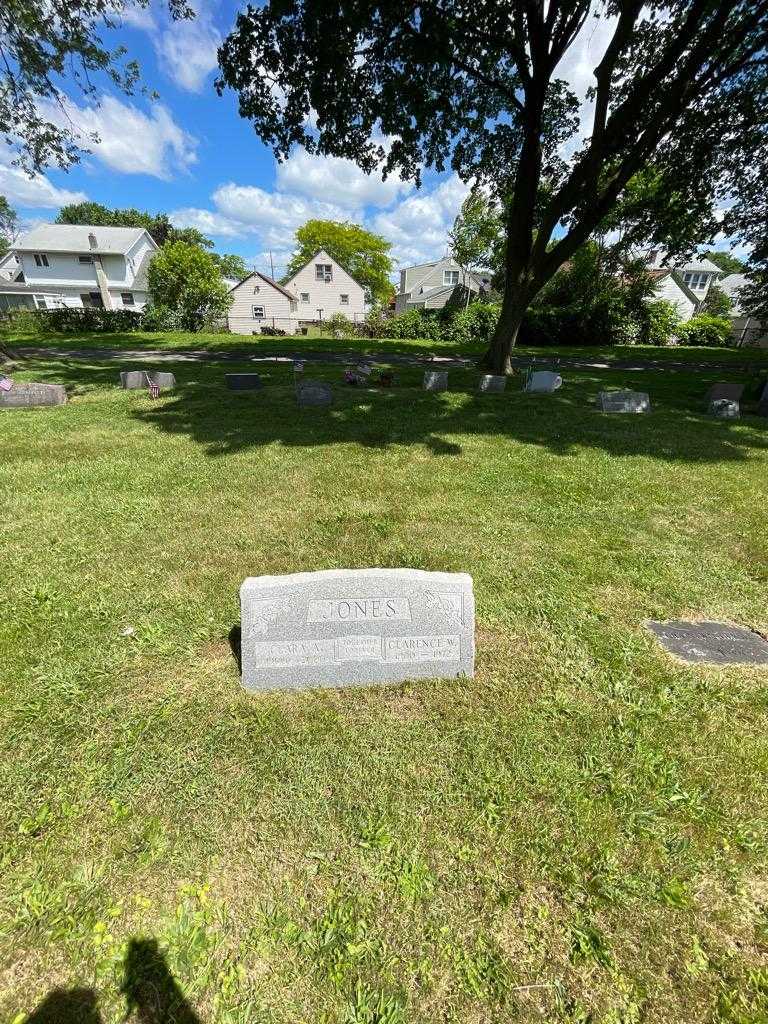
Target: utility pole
[(271, 266)]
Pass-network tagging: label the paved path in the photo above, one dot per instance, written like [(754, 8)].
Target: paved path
[(323, 356)]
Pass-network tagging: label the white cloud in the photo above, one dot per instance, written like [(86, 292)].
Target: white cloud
[(418, 227), (130, 141), (339, 181), (21, 190), (187, 50), (578, 65)]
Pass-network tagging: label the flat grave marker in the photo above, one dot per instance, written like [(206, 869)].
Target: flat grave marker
[(492, 384), (724, 409), (29, 395), (717, 642), (355, 627), (136, 380), (623, 401), (242, 381), (435, 380), (313, 392)]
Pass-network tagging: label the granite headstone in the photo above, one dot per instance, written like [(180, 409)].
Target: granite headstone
[(355, 627), (492, 384), (435, 380), (543, 382), (27, 396), (242, 381), (728, 389), (716, 642), (313, 392), (135, 380), (724, 409), (762, 405), (623, 401)]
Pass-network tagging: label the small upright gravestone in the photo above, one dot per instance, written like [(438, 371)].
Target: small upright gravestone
[(724, 409), (27, 396), (242, 381), (492, 384), (728, 390), (762, 405), (355, 627), (135, 380), (543, 382), (313, 392), (623, 401), (435, 380)]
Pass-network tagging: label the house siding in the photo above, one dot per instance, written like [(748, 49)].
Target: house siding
[(416, 284), (279, 310), (669, 290), (325, 298)]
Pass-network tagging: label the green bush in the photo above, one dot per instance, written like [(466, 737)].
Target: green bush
[(704, 329), (160, 318), (340, 326), (476, 323), (411, 325), (661, 323), (75, 321)]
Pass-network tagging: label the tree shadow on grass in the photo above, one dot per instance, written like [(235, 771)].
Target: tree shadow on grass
[(567, 422)]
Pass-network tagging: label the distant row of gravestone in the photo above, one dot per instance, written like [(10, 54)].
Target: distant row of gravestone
[(723, 399)]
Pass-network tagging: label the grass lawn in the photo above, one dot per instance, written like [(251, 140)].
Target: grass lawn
[(241, 344), (578, 834)]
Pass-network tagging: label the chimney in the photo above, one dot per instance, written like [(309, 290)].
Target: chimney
[(653, 255), (92, 240)]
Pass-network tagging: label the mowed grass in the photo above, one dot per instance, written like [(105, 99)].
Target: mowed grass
[(578, 834), (245, 346)]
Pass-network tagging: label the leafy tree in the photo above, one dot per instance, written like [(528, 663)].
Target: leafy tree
[(364, 255), (157, 224), (477, 233), (682, 86), (727, 262), (9, 225), (185, 279), (716, 302), (231, 265), (45, 41)]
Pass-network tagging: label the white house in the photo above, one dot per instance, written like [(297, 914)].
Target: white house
[(745, 330), (434, 285), (324, 288), (670, 286), (257, 302), (77, 265), (699, 274)]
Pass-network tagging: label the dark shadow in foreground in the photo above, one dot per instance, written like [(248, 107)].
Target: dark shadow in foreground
[(236, 646), (67, 1006), (152, 995)]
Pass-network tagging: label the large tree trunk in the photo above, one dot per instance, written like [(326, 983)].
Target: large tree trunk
[(497, 357)]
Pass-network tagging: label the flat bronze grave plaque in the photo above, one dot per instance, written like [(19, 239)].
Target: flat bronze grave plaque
[(716, 642)]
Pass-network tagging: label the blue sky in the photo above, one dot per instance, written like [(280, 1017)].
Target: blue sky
[(190, 155)]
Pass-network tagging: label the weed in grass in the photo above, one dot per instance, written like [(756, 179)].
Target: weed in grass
[(368, 1006)]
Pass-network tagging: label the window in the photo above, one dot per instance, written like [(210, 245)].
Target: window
[(85, 259), (41, 260), (92, 299), (344, 299), (40, 302), (127, 298), (258, 312), (305, 296), (256, 289), (323, 272), (450, 277), (696, 281)]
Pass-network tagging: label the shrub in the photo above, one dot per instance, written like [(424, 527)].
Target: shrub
[(160, 318), (74, 321), (340, 327), (717, 303), (475, 323), (274, 332), (185, 278), (704, 329), (661, 323), (411, 325)]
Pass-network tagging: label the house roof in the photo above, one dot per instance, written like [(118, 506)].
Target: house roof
[(322, 252), (700, 265), (731, 285), (75, 238), (269, 280)]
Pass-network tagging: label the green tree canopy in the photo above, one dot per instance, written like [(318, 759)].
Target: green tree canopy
[(682, 86), (9, 225), (44, 43), (231, 265), (157, 224), (727, 262), (186, 280), (477, 233), (361, 253)]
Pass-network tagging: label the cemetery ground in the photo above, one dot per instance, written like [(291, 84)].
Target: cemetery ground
[(578, 834)]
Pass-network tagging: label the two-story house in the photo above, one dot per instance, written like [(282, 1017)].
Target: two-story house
[(699, 274), (57, 265), (435, 285)]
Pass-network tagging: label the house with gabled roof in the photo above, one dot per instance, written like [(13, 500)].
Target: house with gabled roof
[(259, 302), (438, 284), (670, 286), (323, 288), (75, 265)]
